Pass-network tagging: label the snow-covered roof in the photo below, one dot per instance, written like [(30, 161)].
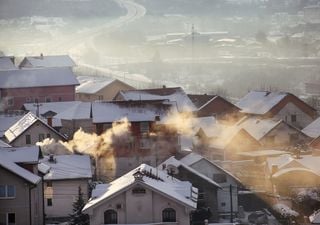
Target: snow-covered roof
[(46, 77), (176, 95), (154, 179), (99, 190), (48, 61), (172, 161), (293, 169), (82, 110), (23, 124), (193, 158), (4, 144), (260, 102), (6, 121), (201, 100), (65, 167), (6, 63), (20, 126), (29, 154), (313, 129), (257, 127), (310, 162), (21, 172), (91, 85), (315, 217), (134, 111)]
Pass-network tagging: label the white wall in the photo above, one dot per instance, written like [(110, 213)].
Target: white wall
[(303, 119), (139, 208), (224, 203), (63, 194)]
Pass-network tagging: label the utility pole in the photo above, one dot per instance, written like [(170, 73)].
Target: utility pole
[(231, 204)]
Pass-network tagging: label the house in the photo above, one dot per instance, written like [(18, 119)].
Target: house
[(145, 195), (66, 173), (35, 86), (148, 139), (314, 218), (29, 130), (174, 94), (281, 105), (227, 181), (21, 192), (66, 117), (273, 132), (283, 171), (47, 61), (7, 63), (99, 88), (207, 187), (220, 141), (214, 105)]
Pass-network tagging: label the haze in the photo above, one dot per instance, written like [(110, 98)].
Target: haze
[(205, 46)]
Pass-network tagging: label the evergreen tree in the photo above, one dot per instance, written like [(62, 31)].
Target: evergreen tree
[(77, 217)]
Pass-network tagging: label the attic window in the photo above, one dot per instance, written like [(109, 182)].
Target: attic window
[(138, 190), (293, 118)]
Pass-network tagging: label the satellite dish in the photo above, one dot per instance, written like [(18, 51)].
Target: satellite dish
[(171, 169)]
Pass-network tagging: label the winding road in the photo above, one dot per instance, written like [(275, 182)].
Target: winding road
[(75, 43)]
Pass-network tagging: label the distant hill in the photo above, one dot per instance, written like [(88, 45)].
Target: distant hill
[(59, 8)]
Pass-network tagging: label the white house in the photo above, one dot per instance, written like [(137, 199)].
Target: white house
[(144, 195), (228, 182), (282, 105), (29, 130), (61, 181)]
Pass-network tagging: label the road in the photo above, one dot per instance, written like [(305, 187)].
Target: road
[(75, 44)]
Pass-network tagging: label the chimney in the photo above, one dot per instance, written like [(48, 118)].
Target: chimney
[(157, 118), (164, 86), (49, 121), (52, 159), (41, 55)]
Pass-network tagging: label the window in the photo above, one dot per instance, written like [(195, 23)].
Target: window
[(28, 139), (48, 99), (293, 118), (49, 201), (60, 99), (41, 137), (7, 191), (100, 97), (200, 194), (138, 190), (223, 204), (144, 127), (49, 183), (48, 136), (168, 215), (110, 217), (11, 218), (10, 101), (7, 218), (29, 99), (220, 178)]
